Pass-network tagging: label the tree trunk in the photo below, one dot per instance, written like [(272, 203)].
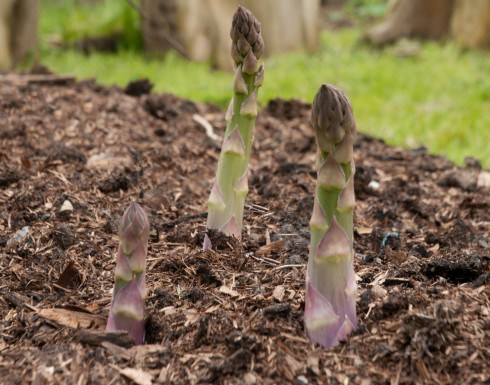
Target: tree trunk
[(470, 24), (18, 31), (421, 19), (466, 21)]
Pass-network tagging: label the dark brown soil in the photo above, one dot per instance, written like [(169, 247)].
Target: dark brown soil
[(73, 156)]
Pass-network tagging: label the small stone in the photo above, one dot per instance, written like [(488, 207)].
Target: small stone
[(66, 207), (358, 363), (301, 380), (483, 243), (484, 180), (249, 378)]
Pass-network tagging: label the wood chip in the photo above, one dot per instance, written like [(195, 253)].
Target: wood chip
[(212, 309), (116, 350), (108, 161), (397, 281), (271, 247), (393, 326), (379, 292), (230, 292), (313, 364), (279, 292), (364, 230), (97, 338), (434, 248), (138, 376), (73, 319), (294, 364), (69, 275)]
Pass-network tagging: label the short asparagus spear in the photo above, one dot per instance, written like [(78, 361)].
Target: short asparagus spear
[(227, 198), (330, 309), (128, 302)]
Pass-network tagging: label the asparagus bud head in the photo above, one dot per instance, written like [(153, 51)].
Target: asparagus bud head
[(331, 118), (247, 43), (128, 303), (330, 308)]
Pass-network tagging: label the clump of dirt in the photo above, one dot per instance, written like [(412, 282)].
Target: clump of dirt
[(74, 155)]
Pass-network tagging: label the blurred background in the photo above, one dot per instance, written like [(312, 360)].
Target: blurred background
[(417, 71)]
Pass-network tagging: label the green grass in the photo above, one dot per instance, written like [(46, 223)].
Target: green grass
[(439, 99)]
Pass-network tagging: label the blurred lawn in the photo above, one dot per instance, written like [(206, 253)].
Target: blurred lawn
[(439, 98)]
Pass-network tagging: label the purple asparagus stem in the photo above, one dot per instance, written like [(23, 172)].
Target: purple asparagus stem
[(128, 303), (330, 309)]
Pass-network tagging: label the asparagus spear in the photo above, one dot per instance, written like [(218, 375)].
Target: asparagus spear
[(330, 309), (230, 188), (128, 302)]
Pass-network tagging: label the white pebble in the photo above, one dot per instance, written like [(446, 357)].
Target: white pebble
[(66, 206)]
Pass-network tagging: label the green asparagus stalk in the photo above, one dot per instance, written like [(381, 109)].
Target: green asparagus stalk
[(230, 188), (330, 308), (128, 304)]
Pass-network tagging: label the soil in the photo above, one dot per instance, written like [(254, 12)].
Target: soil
[(74, 155)]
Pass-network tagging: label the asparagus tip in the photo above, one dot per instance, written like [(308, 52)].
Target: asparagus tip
[(246, 37)]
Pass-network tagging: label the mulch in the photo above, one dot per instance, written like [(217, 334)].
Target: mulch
[(73, 155)]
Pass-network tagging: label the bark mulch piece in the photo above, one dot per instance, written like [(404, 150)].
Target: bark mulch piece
[(74, 155)]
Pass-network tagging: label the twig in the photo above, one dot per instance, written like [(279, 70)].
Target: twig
[(288, 266), (267, 261), (186, 218), (257, 208), (207, 126)]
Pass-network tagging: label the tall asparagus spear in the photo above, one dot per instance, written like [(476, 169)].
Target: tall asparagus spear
[(330, 310), (128, 303), (227, 198)]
